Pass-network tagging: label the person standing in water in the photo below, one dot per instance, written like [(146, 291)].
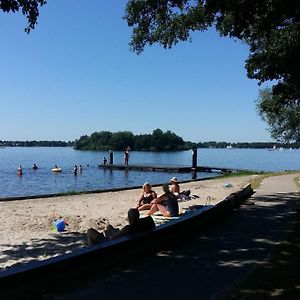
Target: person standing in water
[(20, 170), (75, 170)]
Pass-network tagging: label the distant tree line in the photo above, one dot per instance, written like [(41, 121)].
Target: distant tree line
[(160, 141), (157, 141), (35, 144), (253, 145)]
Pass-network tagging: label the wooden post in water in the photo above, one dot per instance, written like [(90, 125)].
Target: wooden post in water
[(194, 158), (111, 157)]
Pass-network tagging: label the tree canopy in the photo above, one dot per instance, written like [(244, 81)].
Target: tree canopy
[(29, 8), (283, 116), (271, 29)]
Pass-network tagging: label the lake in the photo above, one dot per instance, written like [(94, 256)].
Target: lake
[(43, 181)]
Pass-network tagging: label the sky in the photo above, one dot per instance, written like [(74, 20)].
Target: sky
[(75, 74)]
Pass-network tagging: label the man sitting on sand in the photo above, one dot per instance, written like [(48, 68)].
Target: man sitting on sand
[(166, 204), (136, 225)]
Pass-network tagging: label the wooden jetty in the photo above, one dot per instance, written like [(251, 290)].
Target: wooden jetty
[(165, 168)]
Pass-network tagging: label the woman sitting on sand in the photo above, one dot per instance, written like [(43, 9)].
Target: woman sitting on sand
[(167, 204), (147, 196)]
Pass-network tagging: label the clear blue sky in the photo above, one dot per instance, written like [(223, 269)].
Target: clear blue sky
[(75, 74)]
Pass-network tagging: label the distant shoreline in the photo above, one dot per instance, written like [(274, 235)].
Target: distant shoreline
[(200, 145)]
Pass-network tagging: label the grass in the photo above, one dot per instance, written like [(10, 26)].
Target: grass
[(260, 176), (279, 277)]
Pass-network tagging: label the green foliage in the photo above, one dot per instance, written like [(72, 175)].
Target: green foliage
[(35, 144), (271, 29), (246, 145), (157, 141), (29, 8), (283, 116)]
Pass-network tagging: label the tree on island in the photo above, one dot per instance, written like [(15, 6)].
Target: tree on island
[(271, 29), (157, 141)]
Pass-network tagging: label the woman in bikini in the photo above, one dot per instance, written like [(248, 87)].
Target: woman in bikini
[(147, 196)]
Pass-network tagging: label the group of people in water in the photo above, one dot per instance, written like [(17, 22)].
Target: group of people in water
[(166, 204), (20, 169), (56, 168), (77, 169)]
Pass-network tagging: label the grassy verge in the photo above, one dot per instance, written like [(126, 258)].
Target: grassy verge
[(259, 176), (279, 277)]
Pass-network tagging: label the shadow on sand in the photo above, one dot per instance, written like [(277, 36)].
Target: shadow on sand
[(201, 265), (38, 249)]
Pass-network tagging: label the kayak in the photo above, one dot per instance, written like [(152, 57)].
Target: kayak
[(56, 170)]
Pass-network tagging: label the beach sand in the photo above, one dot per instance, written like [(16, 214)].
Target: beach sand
[(26, 233)]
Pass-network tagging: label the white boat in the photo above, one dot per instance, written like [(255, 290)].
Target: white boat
[(273, 149)]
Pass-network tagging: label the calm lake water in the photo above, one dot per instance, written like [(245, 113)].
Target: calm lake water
[(43, 181)]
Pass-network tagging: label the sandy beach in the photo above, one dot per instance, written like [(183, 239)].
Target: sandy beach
[(26, 233)]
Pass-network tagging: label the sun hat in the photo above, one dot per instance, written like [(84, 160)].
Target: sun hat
[(174, 179), (146, 184)]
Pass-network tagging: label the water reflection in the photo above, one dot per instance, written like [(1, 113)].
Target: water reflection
[(194, 175), (126, 177)]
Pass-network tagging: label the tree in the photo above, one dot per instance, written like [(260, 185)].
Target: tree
[(157, 141), (122, 139), (271, 29), (29, 8), (282, 116)]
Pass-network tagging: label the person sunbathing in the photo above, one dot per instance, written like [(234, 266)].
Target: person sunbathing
[(147, 196), (136, 225), (175, 188), (167, 204)]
